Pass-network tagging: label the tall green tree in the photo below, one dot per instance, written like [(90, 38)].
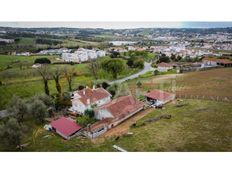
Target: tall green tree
[(45, 74), (113, 66), (94, 67), (56, 76), (68, 73)]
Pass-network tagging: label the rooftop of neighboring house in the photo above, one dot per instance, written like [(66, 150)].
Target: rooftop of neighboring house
[(122, 106), (65, 125), (92, 95), (165, 65), (223, 61), (158, 95)]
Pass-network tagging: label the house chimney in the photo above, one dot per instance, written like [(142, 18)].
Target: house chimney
[(88, 101), (83, 91)]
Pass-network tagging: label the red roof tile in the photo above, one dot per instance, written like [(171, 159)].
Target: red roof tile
[(223, 61), (66, 126), (123, 106), (159, 95), (93, 95), (163, 64)]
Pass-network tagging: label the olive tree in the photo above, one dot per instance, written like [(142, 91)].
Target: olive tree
[(11, 133), (17, 108), (39, 110)]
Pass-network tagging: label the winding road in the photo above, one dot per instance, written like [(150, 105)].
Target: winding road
[(147, 68)]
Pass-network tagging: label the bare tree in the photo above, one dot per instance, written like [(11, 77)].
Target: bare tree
[(56, 76), (43, 71), (94, 67), (68, 73)]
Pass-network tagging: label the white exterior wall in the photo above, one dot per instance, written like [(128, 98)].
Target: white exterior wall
[(78, 106), (101, 53), (103, 101), (91, 54), (209, 63), (163, 69), (103, 113), (70, 57)]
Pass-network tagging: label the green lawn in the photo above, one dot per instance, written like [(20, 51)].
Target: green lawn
[(197, 126)]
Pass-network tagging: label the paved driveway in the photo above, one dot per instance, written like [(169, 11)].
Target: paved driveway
[(147, 68)]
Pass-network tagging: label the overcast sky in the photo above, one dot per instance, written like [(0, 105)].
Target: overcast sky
[(119, 25)]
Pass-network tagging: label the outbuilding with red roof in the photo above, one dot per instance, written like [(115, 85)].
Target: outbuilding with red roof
[(159, 96), (66, 127)]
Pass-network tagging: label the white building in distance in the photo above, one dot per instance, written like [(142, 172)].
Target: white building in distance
[(82, 55)]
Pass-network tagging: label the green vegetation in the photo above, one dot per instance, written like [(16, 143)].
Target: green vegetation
[(17, 77), (113, 66), (185, 131)]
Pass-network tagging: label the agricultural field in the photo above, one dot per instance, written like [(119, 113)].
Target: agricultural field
[(212, 84), (195, 125)]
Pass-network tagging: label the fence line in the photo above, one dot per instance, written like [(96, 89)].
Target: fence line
[(202, 97)]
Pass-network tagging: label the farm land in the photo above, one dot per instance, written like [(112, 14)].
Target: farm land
[(195, 126)]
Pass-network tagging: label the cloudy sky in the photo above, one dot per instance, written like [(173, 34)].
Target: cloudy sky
[(119, 25)]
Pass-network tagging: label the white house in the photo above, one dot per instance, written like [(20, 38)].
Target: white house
[(82, 55), (87, 98), (209, 62), (164, 67)]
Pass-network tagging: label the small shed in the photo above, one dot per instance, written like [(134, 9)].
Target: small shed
[(159, 96), (66, 127)]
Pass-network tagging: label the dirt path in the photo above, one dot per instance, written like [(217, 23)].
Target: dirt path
[(124, 126)]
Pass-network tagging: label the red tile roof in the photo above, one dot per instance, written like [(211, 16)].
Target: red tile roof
[(100, 124), (123, 106), (159, 95), (223, 61), (163, 64), (93, 95), (65, 125), (210, 59)]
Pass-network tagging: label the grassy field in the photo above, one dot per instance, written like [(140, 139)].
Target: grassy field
[(26, 81), (200, 125), (197, 126)]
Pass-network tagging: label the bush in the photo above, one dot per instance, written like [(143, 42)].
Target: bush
[(105, 85), (139, 84), (85, 120), (80, 87), (139, 63), (42, 60), (89, 112), (112, 89), (154, 65), (62, 102)]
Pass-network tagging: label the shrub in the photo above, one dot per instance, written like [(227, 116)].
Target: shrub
[(89, 112), (139, 63), (80, 87), (43, 60), (85, 120)]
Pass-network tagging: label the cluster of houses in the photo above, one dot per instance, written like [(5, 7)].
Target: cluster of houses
[(82, 55), (109, 112), (185, 67)]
